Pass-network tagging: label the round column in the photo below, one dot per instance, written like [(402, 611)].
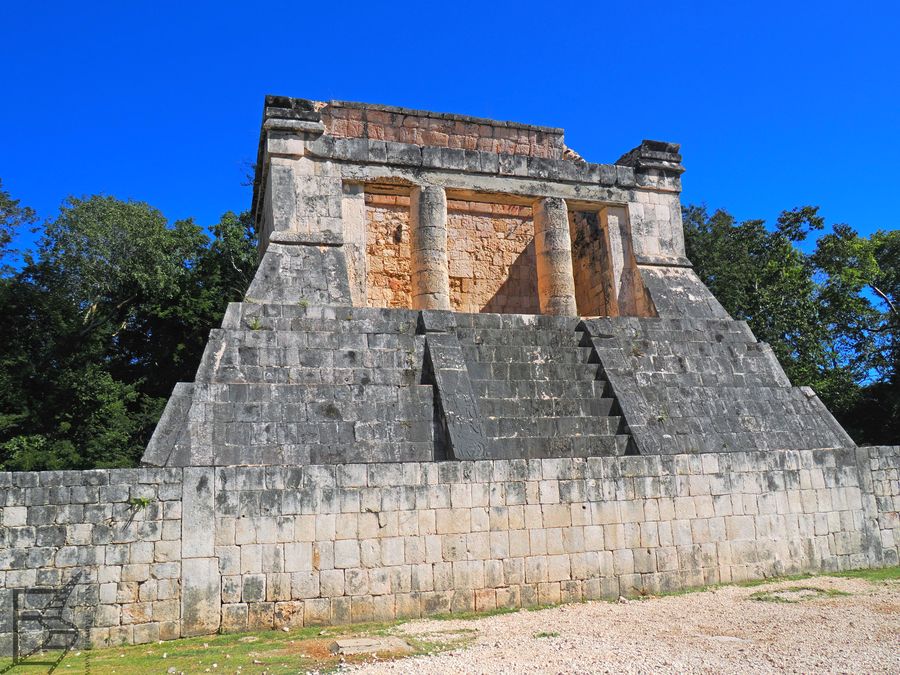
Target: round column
[(429, 270), (553, 252)]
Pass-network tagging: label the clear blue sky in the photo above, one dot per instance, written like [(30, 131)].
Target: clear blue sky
[(775, 105)]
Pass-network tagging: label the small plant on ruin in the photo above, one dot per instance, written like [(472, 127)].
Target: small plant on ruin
[(636, 351), (139, 503), (254, 324), (303, 302)]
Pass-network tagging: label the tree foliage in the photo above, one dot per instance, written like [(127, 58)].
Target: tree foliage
[(13, 218), (829, 315), (110, 310)]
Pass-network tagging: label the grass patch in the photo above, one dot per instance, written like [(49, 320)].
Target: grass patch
[(883, 574), (439, 641), (795, 594), (546, 634), (273, 651), (539, 608), (300, 650)]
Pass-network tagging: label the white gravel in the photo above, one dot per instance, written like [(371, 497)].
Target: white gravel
[(717, 631)]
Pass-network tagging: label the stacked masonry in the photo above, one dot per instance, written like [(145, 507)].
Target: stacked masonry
[(234, 548), (706, 386), (291, 384)]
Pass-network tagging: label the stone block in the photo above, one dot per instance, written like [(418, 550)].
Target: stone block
[(200, 597)]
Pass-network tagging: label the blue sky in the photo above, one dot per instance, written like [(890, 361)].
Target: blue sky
[(775, 105)]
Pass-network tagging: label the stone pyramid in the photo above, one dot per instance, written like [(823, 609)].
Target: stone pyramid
[(434, 286)]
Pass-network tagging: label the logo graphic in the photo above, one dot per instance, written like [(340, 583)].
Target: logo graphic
[(39, 627)]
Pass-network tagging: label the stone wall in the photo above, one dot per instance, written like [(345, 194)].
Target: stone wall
[(491, 258), (884, 463), (387, 251), (170, 552), (592, 266), (443, 130), (490, 249), (118, 531)]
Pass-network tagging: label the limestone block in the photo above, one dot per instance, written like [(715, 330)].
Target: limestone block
[(200, 597), (198, 524), (346, 554), (331, 583)]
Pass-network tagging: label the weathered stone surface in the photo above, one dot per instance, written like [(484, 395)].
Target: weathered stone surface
[(446, 364), (553, 254), (200, 597)]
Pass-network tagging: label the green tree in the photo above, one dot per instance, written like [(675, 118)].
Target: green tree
[(112, 308), (12, 218), (861, 290)]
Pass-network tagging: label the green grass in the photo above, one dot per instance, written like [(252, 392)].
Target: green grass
[(771, 580), (874, 575), (465, 616), (883, 574), (803, 593), (546, 634), (300, 650)]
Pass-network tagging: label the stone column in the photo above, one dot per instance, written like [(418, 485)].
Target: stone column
[(553, 251), (353, 213), (430, 279)]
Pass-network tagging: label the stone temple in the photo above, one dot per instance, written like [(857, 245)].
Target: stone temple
[(436, 286), (472, 371)]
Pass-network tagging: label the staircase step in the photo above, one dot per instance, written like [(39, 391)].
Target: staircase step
[(527, 353), (520, 370), (552, 427), (539, 389), (563, 407), (547, 338), (584, 446)]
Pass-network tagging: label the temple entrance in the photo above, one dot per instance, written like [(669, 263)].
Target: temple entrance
[(607, 281)]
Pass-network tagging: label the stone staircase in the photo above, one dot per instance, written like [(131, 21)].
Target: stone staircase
[(539, 393), (291, 384), (296, 385)]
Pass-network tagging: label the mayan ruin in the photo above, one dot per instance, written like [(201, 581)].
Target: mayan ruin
[(472, 371)]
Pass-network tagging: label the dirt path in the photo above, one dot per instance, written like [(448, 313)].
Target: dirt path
[(722, 630)]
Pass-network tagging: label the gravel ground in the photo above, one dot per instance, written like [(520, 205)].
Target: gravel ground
[(722, 631)]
